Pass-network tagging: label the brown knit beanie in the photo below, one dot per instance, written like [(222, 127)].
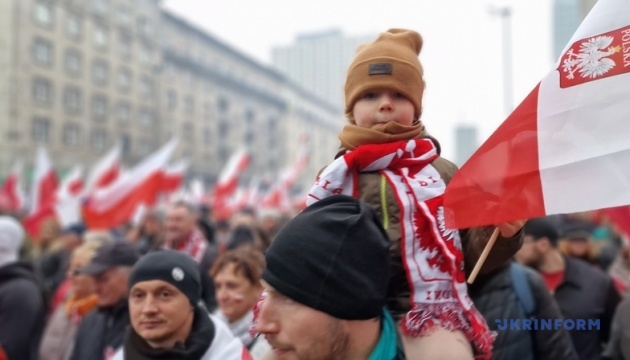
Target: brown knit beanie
[(390, 62)]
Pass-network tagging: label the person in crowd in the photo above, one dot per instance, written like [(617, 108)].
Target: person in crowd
[(577, 243), (58, 340), (151, 231), (95, 239), (270, 222), (619, 271), (581, 291), (101, 332), (54, 262), (246, 235), (167, 320), (515, 292), (323, 306), (236, 276), (385, 153), (183, 235), (619, 345), (22, 302)]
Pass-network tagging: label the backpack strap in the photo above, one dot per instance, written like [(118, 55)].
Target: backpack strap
[(522, 289)]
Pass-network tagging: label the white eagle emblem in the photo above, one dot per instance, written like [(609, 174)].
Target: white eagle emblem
[(592, 60)]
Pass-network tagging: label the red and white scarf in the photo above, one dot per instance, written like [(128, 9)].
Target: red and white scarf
[(194, 244), (432, 254)]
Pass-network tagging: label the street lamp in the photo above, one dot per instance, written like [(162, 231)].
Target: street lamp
[(505, 13)]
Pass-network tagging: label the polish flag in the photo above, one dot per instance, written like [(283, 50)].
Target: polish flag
[(228, 179), (11, 190), (566, 147), (173, 176), (72, 184), (110, 207), (44, 182), (279, 197), (620, 217), (105, 171)]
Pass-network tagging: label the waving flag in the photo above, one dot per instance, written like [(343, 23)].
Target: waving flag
[(105, 171), (112, 206), (11, 190), (228, 179), (566, 147), (44, 182)]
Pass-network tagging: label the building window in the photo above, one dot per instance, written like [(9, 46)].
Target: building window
[(125, 144), (124, 79), (188, 132), (71, 135), (171, 100), (99, 37), (41, 130), (99, 72), (43, 52), (72, 62), (43, 13), (189, 104), (249, 136), (145, 55), (124, 46), (42, 91), (223, 105), (207, 136), (99, 107), (207, 110), (98, 139), (123, 16), (73, 26), (224, 129), (123, 112), (146, 87), (72, 99), (144, 27), (146, 117), (100, 6)]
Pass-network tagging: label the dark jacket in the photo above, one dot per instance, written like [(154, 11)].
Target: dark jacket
[(619, 344), (22, 311), (101, 331), (494, 296), (587, 293)]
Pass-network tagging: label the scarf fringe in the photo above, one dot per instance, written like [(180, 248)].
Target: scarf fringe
[(424, 319)]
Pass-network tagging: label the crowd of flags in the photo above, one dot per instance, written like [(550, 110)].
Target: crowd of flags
[(108, 195)]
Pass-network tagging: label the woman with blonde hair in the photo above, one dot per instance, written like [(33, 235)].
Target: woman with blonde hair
[(58, 340)]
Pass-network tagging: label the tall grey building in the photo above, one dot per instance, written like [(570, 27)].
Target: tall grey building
[(567, 16), (318, 62), (80, 75), (466, 143)]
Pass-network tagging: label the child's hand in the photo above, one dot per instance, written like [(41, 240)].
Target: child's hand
[(509, 229)]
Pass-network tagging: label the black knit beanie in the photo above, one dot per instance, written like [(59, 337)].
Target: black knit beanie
[(332, 257), (176, 268)]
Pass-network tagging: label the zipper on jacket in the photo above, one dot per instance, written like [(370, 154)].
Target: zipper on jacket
[(384, 202)]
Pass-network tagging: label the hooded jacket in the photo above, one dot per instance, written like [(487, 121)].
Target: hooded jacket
[(22, 311)]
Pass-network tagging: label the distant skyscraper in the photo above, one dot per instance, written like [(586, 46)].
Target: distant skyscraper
[(466, 143), (567, 16), (318, 62)]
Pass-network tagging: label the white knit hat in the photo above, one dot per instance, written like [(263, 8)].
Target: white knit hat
[(11, 239)]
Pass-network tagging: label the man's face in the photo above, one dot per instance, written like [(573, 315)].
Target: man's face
[(530, 253), (179, 222), (111, 286), (298, 332), (235, 294), (159, 312)]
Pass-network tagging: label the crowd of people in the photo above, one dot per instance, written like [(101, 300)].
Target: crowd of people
[(368, 270)]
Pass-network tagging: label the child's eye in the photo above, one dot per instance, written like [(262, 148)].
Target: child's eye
[(370, 95), (400, 96)]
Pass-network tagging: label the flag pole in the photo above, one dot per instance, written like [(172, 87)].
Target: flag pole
[(484, 255)]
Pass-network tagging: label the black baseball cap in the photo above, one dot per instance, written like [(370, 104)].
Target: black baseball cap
[(110, 255)]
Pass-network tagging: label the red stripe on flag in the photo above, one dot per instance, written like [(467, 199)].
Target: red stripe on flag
[(501, 180)]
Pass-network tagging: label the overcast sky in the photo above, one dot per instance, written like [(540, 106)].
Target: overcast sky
[(461, 56)]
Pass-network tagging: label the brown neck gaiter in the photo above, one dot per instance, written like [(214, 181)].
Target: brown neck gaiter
[(353, 136)]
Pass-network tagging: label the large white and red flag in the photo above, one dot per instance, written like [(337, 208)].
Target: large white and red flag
[(228, 178), (566, 147), (71, 185), (173, 176), (112, 206), (11, 191), (105, 171), (44, 185)]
